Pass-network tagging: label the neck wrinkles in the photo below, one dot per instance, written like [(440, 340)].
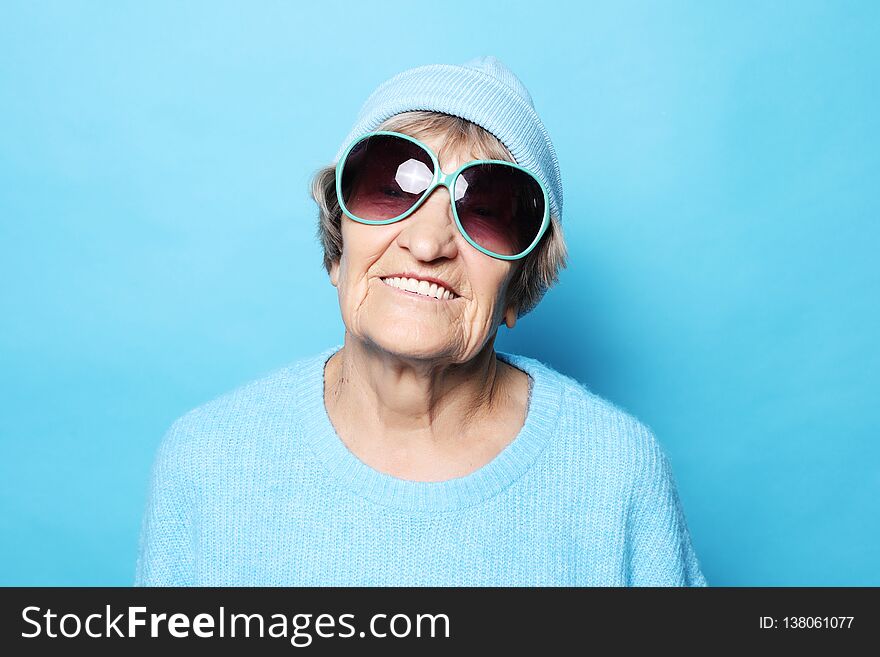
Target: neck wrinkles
[(397, 399), (351, 474)]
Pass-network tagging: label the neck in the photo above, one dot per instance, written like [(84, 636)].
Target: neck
[(398, 398)]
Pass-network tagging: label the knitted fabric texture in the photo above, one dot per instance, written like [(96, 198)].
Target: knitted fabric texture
[(483, 91), (255, 488)]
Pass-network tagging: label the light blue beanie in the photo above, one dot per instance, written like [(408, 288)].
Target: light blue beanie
[(483, 91)]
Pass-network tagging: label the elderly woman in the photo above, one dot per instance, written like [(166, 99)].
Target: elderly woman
[(414, 454)]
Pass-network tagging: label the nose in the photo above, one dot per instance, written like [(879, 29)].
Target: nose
[(429, 232)]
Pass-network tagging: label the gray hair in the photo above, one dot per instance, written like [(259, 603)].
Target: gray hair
[(536, 273)]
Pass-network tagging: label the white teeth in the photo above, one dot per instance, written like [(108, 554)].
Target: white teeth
[(421, 287)]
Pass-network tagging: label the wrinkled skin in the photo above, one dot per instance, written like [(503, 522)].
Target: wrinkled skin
[(417, 389), (426, 242)]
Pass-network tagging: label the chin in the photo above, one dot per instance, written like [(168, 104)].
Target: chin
[(407, 341)]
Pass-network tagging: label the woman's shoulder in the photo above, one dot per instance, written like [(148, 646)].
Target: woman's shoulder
[(264, 404), (589, 421)]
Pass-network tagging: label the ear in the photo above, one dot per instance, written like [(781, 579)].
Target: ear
[(334, 273), (510, 317)]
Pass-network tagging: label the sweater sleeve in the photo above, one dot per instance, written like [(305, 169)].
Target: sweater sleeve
[(165, 555), (660, 548)]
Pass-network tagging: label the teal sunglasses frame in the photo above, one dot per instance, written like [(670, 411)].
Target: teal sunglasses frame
[(446, 180)]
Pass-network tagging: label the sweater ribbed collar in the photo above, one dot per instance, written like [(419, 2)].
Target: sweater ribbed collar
[(349, 472)]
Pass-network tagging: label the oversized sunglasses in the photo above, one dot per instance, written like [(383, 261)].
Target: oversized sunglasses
[(499, 207)]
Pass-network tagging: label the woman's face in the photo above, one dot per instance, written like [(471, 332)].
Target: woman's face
[(425, 244)]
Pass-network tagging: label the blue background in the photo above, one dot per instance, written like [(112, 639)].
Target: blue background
[(720, 163)]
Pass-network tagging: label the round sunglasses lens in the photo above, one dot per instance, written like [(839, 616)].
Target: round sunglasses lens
[(383, 176), (500, 207)]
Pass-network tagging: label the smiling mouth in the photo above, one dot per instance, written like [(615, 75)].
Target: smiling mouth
[(414, 287)]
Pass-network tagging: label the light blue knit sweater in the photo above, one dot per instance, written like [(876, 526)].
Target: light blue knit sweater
[(255, 488)]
